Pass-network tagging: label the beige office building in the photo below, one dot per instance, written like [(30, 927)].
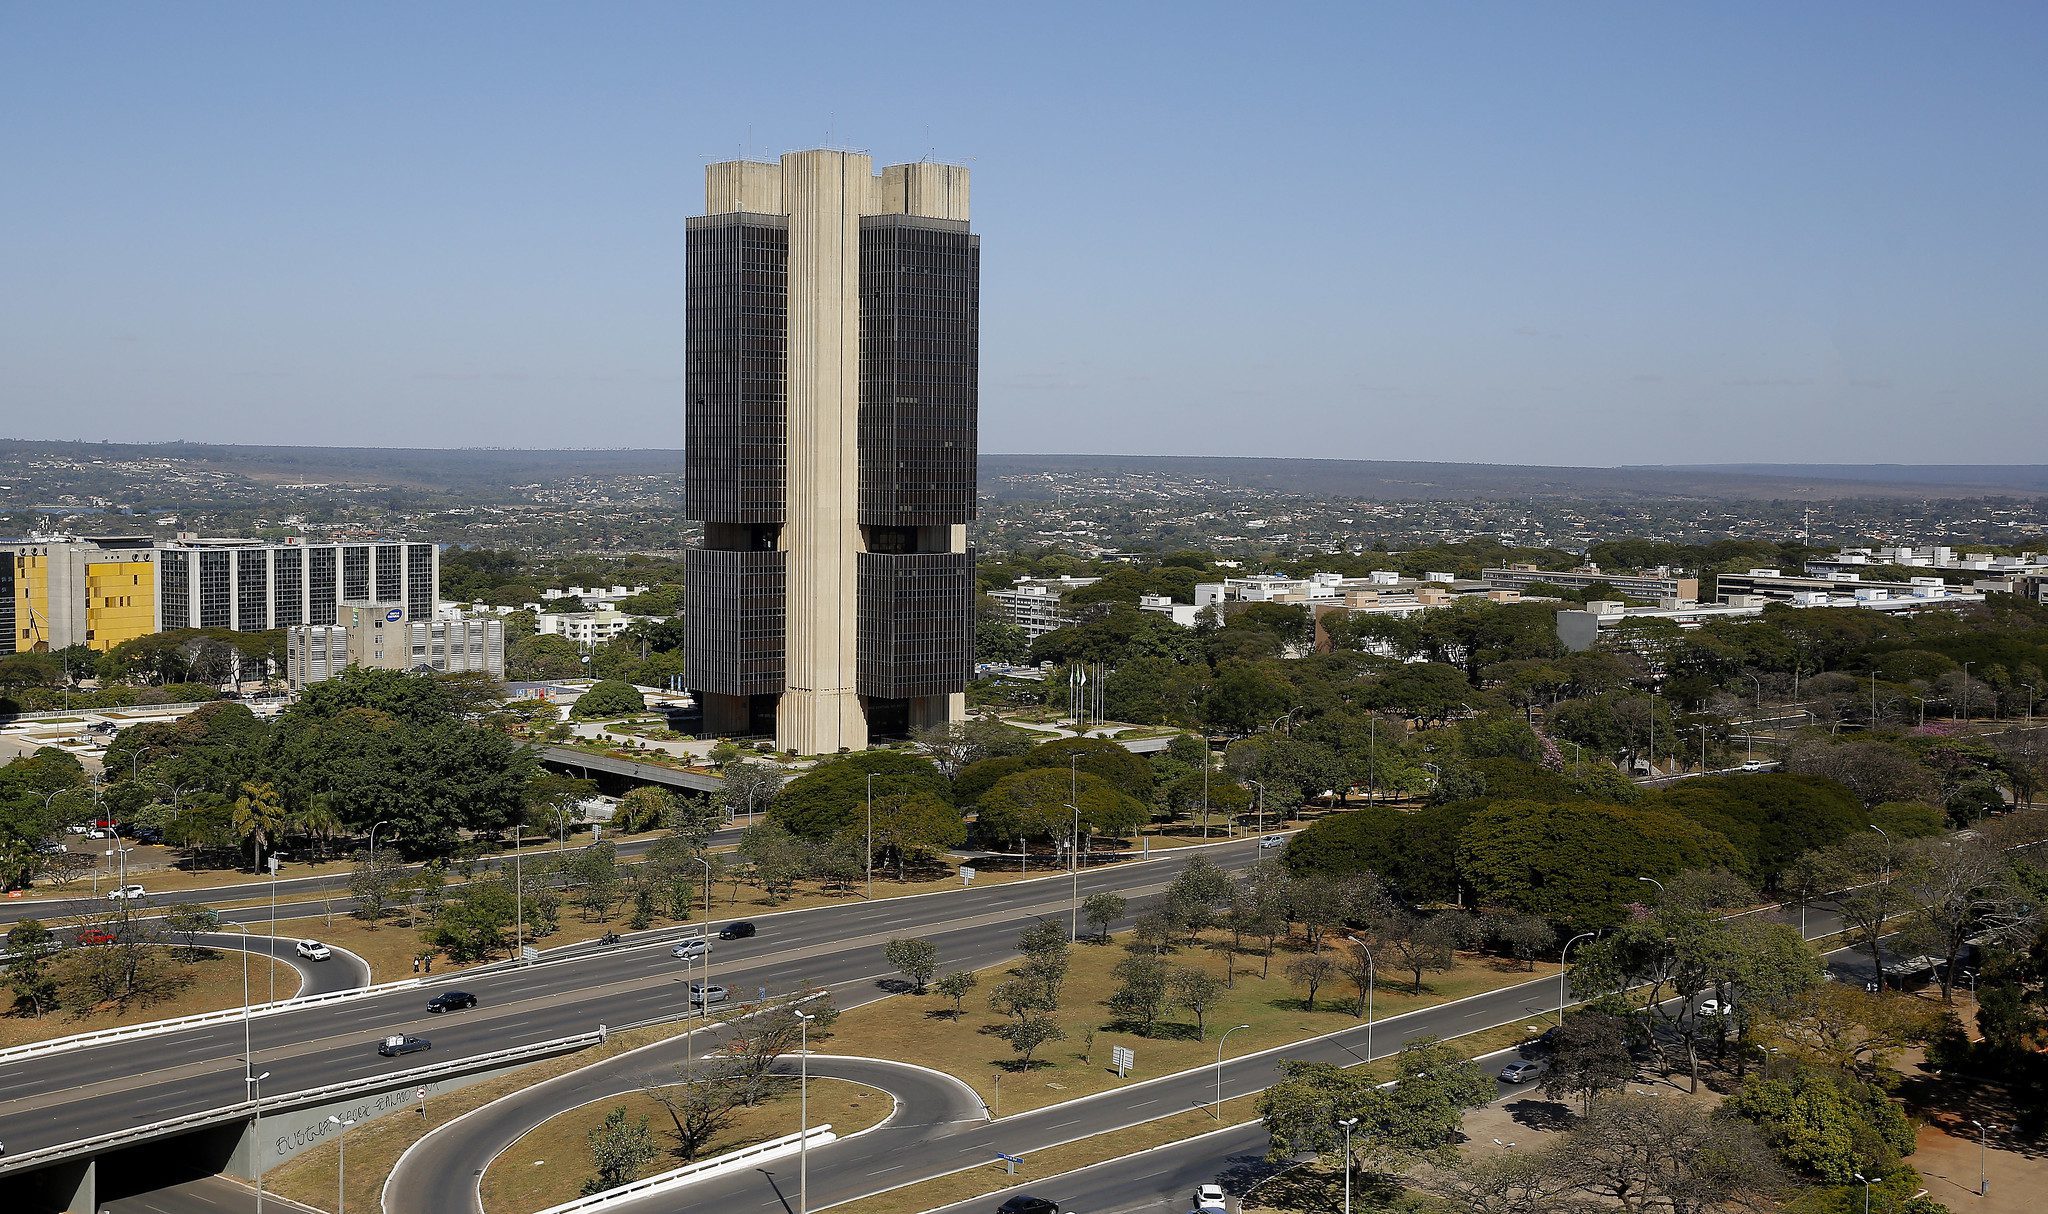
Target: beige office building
[(379, 635), (833, 330)]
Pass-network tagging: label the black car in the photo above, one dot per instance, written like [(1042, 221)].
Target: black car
[(451, 1001), (1024, 1203), (148, 834), (392, 1047), (736, 931)]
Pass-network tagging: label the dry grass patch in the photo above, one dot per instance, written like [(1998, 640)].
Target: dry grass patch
[(922, 1028), (213, 984), (548, 1165)]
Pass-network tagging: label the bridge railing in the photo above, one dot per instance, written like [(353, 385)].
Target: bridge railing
[(128, 1032)]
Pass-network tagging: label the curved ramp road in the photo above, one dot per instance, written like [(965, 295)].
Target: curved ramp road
[(344, 971), (67, 1096)]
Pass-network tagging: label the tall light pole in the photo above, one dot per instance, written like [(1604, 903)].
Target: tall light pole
[(1966, 690), (1347, 1123), (256, 1131), (803, 1138), (1759, 692), (1260, 785), (1074, 875), (1874, 672), (1563, 960), (341, 1170), (1983, 1145), (1887, 849), (1703, 749), (271, 862), (1655, 882), (1372, 978), (871, 836), (519, 886), (1219, 1068), (1866, 1191)]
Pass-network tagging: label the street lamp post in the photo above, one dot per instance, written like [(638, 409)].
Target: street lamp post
[(1372, 977), (519, 886), (803, 1139), (1966, 690), (341, 1170), (1703, 749), (1866, 1191), (1563, 959), (256, 1130), (1983, 1145), (1219, 1068), (1074, 875), (1887, 849), (1655, 882), (871, 836), (1347, 1123), (1260, 803)]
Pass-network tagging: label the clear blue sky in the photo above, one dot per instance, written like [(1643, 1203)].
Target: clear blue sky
[(1521, 233)]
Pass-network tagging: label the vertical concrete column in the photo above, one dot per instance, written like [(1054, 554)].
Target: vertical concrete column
[(824, 194)]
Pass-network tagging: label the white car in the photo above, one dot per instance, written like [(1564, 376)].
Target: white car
[(690, 950), (1715, 1007), (1524, 1070), (1209, 1200), (1755, 765), (312, 950), (127, 892), (1272, 841)]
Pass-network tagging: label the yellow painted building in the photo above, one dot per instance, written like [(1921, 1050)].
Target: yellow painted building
[(80, 592)]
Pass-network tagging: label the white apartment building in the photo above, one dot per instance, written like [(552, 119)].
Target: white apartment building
[(587, 628), (1033, 604)]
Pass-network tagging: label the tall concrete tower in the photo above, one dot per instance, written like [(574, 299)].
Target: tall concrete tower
[(833, 377)]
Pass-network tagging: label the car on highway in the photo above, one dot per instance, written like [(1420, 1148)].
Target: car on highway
[(127, 892), (312, 950), (736, 931), (1716, 1007), (95, 935), (397, 1044), (451, 1001), (1209, 1200), (1272, 841), (1025, 1203), (704, 996), (1755, 765), (1522, 1070), (691, 949)]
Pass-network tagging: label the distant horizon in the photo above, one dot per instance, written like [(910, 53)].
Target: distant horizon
[(1595, 236)]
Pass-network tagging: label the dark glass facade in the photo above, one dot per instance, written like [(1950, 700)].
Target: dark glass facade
[(288, 573), (355, 573), (737, 305), (920, 320), (174, 589), (916, 625), (10, 634), (390, 571), (322, 585), (733, 605), (216, 605), (419, 582), (252, 590)]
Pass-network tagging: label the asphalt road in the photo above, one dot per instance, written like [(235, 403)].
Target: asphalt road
[(67, 1096), (344, 971)]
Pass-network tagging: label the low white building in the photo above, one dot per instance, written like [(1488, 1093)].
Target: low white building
[(587, 629), (1033, 603)]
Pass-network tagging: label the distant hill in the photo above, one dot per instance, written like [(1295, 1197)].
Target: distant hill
[(482, 470)]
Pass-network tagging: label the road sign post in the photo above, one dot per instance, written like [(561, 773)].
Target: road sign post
[(1125, 1059), (529, 954), (966, 874), (421, 1092), (1010, 1162)]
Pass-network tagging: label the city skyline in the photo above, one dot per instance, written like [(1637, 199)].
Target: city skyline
[(1595, 237)]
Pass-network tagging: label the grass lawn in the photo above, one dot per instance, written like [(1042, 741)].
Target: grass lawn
[(1041, 1165), (1080, 1065), (548, 1165), (216, 983)]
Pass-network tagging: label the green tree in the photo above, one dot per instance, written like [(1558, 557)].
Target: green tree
[(620, 1148), (833, 795), (29, 972), (259, 816), (1589, 1056), (1100, 910), (1197, 991), (474, 924), (1142, 994), (608, 698), (1577, 864), (1310, 971), (915, 959), (915, 827), (1826, 1124), (955, 986), (539, 659)]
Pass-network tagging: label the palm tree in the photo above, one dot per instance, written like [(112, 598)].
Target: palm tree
[(317, 821), (258, 817)]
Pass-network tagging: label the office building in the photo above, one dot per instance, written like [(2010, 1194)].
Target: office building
[(830, 418), (249, 585), (587, 628), (1034, 603), (96, 591), (1655, 585), (379, 635)]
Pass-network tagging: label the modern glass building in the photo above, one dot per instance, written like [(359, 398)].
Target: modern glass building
[(249, 585), (830, 442)]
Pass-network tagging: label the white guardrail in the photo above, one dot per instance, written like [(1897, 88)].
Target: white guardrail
[(690, 1173), (331, 1091), (79, 1041)]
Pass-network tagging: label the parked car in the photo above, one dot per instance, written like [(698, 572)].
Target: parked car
[(691, 949), (736, 931), (128, 892), (1716, 1007), (312, 950), (148, 834), (704, 996), (1522, 1070), (77, 828), (52, 847), (1024, 1203), (95, 935), (1272, 841), (1209, 1200), (451, 1001), (393, 1046), (101, 832)]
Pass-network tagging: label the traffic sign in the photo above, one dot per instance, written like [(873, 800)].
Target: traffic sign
[(420, 1092), (1010, 1162), (966, 874), (1125, 1059), (529, 954)]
